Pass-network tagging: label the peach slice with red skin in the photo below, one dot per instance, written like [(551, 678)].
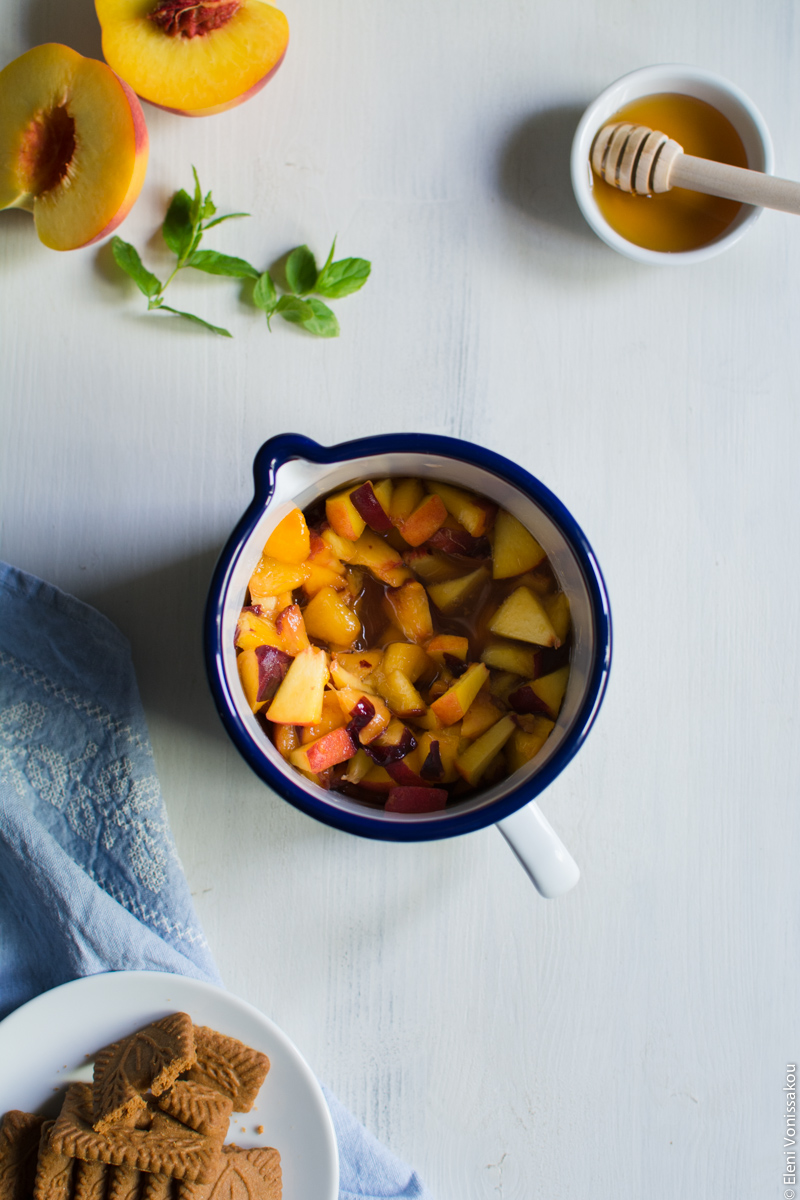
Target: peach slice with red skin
[(327, 751), (416, 800), (73, 145), (424, 521), (193, 57), (366, 503)]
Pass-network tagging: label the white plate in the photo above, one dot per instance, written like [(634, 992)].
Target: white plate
[(52, 1040)]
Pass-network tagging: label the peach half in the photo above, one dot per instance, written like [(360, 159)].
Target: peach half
[(73, 145), (193, 57)]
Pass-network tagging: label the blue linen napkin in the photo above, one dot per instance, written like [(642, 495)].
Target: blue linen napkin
[(90, 879)]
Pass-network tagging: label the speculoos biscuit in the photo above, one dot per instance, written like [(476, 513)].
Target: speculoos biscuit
[(53, 1179), (19, 1147), (244, 1175), (148, 1061), (124, 1183), (89, 1180), (229, 1066), (200, 1107), (167, 1147)]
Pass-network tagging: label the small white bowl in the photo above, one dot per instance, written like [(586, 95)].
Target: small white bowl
[(688, 81)]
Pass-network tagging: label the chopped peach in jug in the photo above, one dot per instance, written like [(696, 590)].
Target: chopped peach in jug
[(404, 642)]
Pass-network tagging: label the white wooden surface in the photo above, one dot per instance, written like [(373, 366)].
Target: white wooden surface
[(630, 1039)]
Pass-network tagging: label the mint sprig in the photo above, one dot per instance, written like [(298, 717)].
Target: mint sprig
[(189, 217), (336, 279)]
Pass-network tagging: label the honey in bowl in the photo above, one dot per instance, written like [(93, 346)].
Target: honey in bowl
[(678, 220)]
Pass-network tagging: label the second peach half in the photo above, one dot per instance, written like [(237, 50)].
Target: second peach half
[(194, 59)]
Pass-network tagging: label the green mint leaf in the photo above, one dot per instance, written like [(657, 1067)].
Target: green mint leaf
[(197, 200), (178, 228), (219, 220), (197, 320), (126, 257), (301, 271), (209, 207), (343, 278), (265, 296), (329, 259), (324, 322), (215, 263), (293, 309)]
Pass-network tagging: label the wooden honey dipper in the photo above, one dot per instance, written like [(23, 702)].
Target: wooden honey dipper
[(643, 161)]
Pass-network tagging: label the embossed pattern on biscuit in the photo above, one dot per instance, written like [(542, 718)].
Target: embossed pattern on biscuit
[(198, 1106), (19, 1147), (150, 1060), (124, 1183), (53, 1180), (89, 1181), (157, 1187), (245, 1175), (167, 1147), (229, 1066)]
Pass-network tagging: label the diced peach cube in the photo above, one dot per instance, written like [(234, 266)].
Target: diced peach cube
[(455, 702), (455, 593), (291, 628), (522, 616), (341, 676), (385, 563), (299, 698), (408, 607), (514, 549), (447, 646), (286, 739), (473, 512), (330, 619), (384, 491), (343, 548), (551, 688), (271, 577), (400, 694), (503, 655), (408, 657), (261, 671), (333, 747), (368, 713), (526, 743), (254, 629), (483, 713), (344, 517), (423, 522), (320, 577), (431, 566), (557, 608), (407, 494), (332, 718), (377, 779), (289, 540), (360, 664), (474, 761), (358, 767)]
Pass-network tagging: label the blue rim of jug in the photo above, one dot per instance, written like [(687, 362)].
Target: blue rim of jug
[(372, 823)]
